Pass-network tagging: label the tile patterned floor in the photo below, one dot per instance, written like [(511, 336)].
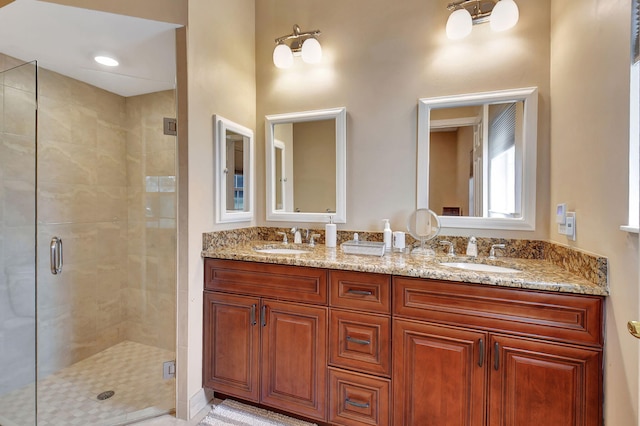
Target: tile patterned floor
[(69, 397)]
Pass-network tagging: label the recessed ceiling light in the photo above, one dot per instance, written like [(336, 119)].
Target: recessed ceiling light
[(106, 60)]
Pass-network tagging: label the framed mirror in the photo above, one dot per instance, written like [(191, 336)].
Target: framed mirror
[(306, 161), (477, 159), (235, 171)]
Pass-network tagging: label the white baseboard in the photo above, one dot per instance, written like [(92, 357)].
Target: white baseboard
[(199, 401)]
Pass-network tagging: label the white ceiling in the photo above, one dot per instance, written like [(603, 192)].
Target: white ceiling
[(65, 39)]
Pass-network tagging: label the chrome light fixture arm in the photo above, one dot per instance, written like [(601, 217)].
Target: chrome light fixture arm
[(475, 9), (298, 36)]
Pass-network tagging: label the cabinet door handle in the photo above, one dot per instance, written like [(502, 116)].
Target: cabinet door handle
[(481, 357), (263, 315), (496, 356), (253, 314), (358, 341), (360, 292), (356, 404)]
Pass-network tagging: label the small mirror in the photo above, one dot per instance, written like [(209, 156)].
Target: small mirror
[(234, 149), (477, 159), (306, 166), (423, 225)]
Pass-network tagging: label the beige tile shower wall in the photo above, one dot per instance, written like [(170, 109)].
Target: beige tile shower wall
[(82, 199), (17, 223), (151, 171)]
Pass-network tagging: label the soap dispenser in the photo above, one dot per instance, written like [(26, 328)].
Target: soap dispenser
[(387, 235), (330, 233)]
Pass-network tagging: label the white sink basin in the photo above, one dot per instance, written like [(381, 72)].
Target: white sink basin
[(479, 267), (280, 250)]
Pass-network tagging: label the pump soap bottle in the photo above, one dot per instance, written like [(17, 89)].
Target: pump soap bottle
[(330, 233), (387, 236)]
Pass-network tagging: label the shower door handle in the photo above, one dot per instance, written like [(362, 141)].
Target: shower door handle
[(55, 255)]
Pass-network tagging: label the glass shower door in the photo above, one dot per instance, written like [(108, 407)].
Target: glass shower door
[(106, 306), (18, 109)]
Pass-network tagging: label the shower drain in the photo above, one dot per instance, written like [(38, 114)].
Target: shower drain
[(105, 395)]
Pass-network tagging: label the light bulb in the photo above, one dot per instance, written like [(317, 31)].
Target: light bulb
[(505, 15), (106, 60), (459, 24), (311, 51), (282, 56)]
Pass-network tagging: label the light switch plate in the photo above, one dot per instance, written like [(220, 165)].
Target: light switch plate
[(570, 226)]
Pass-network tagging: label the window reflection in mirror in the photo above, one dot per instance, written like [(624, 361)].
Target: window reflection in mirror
[(234, 171), (306, 166), (473, 166), (477, 159)]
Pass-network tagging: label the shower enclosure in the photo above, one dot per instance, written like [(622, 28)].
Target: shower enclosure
[(87, 251)]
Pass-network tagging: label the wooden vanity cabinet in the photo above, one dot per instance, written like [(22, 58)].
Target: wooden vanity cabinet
[(261, 348), (354, 348), (479, 355)]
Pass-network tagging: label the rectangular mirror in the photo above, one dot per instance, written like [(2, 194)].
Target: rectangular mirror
[(477, 159), (306, 166), (234, 149)]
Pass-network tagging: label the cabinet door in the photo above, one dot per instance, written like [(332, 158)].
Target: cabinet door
[(231, 345), (294, 358), (534, 383), (439, 375)]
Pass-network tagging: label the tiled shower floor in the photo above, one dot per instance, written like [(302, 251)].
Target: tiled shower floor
[(69, 397)]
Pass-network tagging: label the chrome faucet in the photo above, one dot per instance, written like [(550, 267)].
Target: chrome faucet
[(312, 239), (492, 252), (472, 247), (284, 237), (297, 237), (451, 251)]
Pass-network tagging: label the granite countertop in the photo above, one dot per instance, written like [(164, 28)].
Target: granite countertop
[(534, 274)]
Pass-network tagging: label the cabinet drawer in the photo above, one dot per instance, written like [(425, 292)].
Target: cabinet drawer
[(360, 291), (556, 316), (358, 399), (360, 341), (295, 283)]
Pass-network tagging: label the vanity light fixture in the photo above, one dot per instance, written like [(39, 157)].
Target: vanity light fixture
[(303, 44), (501, 14)]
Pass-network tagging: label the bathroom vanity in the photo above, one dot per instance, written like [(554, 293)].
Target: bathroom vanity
[(352, 340)]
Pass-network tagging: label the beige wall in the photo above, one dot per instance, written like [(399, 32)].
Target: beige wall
[(379, 58), (589, 157), (221, 80), (314, 171)]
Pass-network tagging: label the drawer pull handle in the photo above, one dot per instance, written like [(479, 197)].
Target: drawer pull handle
[(358, 341), (356, 404), (253, 314), (496, 356), (360, 292), (481, 357)]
